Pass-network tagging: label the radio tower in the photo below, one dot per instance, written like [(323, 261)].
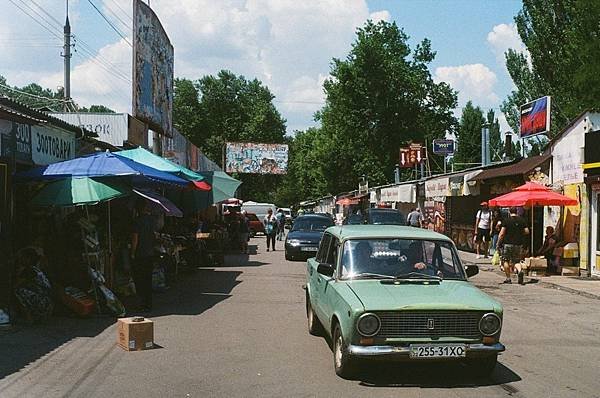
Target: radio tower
[(67, 56)]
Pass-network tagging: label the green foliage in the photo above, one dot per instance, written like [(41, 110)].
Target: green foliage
[(496, 144), (217, 109), (379, 98), (39, 98), (563, 40), (96, 109), (468, 137)]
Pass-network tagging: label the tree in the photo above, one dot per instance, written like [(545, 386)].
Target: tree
[(226, 107), (379, 98), (468, 137), (563, 43), (96, 109), (33, 95), (496, 144)]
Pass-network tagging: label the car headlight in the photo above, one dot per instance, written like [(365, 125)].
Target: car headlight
[(293, 242), (368, 324), (490, 324)]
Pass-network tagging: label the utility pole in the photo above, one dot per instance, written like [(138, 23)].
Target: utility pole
[(67, 56), (485, 144)]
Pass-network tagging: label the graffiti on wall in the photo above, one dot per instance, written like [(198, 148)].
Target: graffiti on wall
[(252, 158)]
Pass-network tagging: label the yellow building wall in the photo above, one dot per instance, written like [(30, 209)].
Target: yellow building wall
[(576, 220)]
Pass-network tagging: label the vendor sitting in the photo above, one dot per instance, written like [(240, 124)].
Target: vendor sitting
[(547, 250)]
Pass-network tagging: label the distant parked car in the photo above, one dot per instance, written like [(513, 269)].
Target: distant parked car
[(377, 217), (303, 239), (399, 293), (256, 225)]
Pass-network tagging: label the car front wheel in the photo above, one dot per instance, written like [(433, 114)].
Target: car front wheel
[(344, 364), (484, 367)]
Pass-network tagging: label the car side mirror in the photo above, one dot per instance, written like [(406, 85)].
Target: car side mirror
[(325, 269), (471, 270)]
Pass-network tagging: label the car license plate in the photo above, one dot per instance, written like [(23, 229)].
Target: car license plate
[(427, 351), (308, 249)]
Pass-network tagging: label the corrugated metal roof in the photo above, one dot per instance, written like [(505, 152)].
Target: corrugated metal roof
[(519, 168)]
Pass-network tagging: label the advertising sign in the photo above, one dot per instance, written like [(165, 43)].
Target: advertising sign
[(437, 188), (112, 128), (535, 117), (412, 155), (245, 157), (50, 145), (152, 70), (443, 147), (22, 134)]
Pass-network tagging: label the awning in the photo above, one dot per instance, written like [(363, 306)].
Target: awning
[(406, 193), (520, 168), (165, 204), (437, 187)]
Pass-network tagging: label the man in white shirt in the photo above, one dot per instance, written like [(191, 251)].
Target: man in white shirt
[(415, 218), (483, 222)]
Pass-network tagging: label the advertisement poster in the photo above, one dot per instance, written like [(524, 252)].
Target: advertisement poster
[(435, 216), (535, 117), (252, 158)]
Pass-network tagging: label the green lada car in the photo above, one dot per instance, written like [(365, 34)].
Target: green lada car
[(394, 292)]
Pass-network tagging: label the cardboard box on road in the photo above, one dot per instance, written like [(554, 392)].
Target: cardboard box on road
[(134, 334)]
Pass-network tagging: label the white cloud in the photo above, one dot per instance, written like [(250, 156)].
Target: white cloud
[(383, 15), (503, 37), (474, 82)]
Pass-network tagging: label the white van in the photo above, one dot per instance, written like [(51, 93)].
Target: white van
[(260, 209)]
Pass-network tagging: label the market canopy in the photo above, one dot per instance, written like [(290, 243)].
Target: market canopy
[(78, 191), (532, 194), (223, 188), (101, 164), (148, 158)]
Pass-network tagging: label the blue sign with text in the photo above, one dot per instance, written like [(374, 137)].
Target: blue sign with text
[(443, 147)]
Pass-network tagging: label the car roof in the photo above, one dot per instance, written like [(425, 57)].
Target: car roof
[(383, 210), (314, 215), (383, 231)]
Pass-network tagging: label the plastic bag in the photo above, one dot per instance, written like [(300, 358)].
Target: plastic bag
[(496, 258)]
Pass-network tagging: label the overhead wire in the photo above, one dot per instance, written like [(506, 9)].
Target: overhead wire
[(36, 20), (125, 24), (110, 23)]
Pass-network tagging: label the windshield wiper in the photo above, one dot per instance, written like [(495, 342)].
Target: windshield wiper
[(418, 275), (372, 275)]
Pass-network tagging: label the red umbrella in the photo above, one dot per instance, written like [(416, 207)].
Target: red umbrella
[(347, 201), (532, 194)]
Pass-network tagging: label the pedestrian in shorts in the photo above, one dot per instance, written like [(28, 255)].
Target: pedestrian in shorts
[(483, 223), (512, 235)]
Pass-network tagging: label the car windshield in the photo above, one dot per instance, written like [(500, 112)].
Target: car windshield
[(312, 224), (400, 258), (354, 219), (386, 218)]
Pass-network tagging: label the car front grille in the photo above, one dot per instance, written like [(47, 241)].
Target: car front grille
[(432, 324)]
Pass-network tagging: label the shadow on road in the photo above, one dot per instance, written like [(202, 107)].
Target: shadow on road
[(191, 294), (432, 375)]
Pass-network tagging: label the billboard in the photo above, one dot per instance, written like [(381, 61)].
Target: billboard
[(112, 128), (443, 147), (535, 117), (152, 70), (246, 157)]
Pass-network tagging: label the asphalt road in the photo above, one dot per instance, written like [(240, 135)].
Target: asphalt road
[(240, 331)]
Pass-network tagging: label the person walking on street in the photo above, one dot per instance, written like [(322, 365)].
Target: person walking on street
[(415, 218), (483, 221), (270, 223), (143, 240), (244, 231), (513, 232), (496, 227), (280, 224)]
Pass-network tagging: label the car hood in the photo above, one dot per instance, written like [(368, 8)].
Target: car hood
[(447, 295), (309, 236)]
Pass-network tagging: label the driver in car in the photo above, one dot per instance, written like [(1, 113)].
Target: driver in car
[(412, 260)]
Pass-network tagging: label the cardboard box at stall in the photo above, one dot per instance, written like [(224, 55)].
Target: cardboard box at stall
[(135, 334)]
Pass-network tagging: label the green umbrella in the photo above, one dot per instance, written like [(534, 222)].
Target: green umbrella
[(75, 191), (149, 159), (223, 188)]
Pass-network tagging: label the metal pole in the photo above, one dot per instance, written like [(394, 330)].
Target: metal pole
[(67, 56), (531, 249), (445, 162)]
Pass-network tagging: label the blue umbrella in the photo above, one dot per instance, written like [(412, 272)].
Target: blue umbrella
[(102, 164)]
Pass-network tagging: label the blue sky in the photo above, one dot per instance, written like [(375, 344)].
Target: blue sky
[(288, 44)]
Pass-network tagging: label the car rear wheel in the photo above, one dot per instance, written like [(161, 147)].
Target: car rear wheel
[(314, 325), (484, 367), (344, 364)]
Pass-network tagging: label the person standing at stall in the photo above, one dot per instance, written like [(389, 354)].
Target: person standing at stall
[(270, 223), (143, 240), (483, 221)]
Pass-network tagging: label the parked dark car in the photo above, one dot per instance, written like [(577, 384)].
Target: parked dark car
[(256, 225), (303, 240), (377, 216)]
